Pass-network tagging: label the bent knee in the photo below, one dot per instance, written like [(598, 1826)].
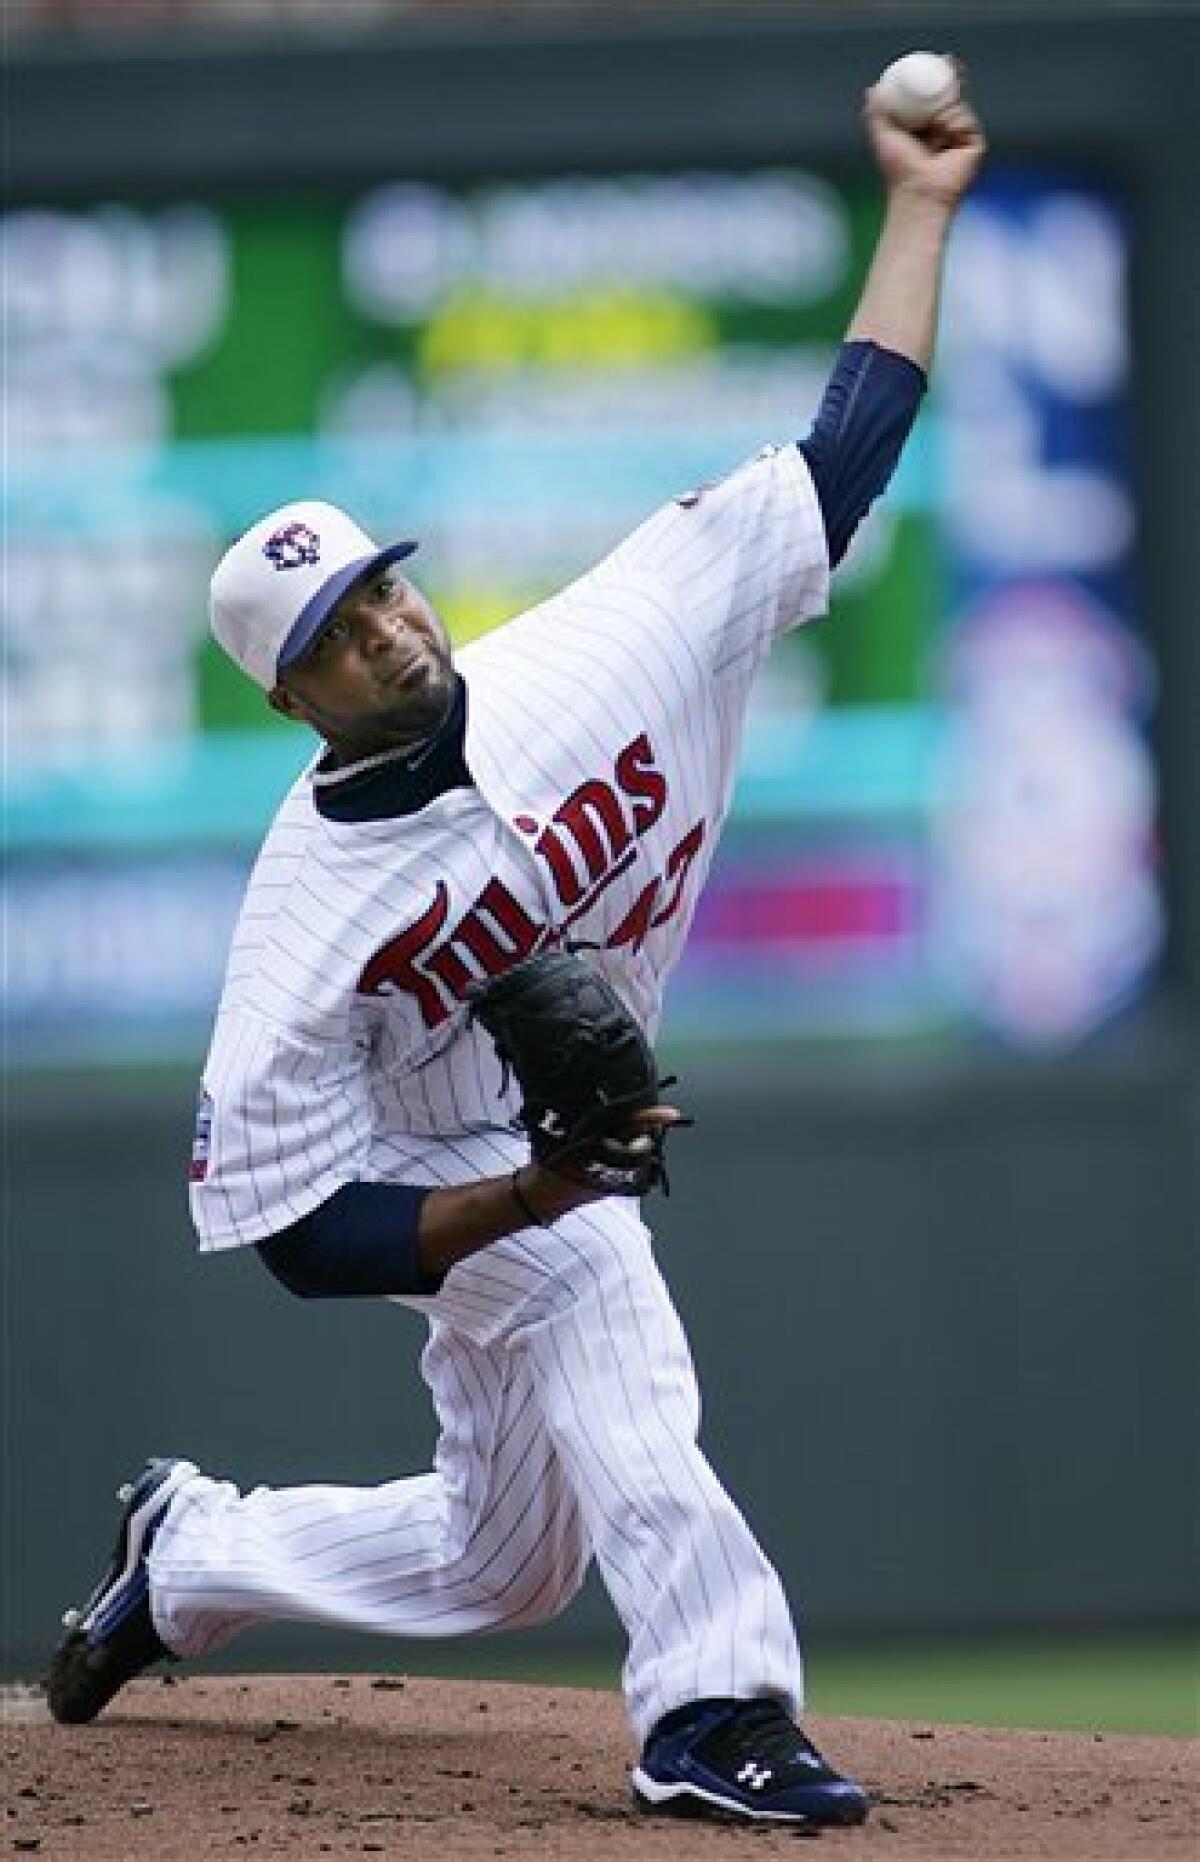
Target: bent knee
[(545, 1600)]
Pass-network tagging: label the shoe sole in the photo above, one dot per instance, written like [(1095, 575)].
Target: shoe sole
[(689, 1800), (109, 1603)]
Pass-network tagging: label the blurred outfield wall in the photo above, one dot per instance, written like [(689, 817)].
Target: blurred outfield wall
[(944, 1300), (945, 1332)]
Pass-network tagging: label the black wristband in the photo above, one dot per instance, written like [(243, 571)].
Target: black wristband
[(518, 1195)]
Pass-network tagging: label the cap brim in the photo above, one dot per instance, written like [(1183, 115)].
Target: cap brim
[(315, 615)]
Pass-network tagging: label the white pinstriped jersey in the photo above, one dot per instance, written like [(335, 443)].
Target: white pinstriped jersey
[(602, 732)]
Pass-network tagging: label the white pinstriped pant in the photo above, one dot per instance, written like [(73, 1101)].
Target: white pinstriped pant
[(568, 1410)]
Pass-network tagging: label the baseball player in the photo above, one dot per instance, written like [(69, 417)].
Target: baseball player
[(563, 778)]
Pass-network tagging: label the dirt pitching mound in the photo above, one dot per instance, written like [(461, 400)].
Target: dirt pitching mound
[(430, 1771)]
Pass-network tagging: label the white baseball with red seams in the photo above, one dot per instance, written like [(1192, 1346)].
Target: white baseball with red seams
[(602, 732), (914, 88)]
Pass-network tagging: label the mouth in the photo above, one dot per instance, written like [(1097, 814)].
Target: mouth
[(407, 668)]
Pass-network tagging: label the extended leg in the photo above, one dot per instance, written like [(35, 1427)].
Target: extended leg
[(492, 1538)]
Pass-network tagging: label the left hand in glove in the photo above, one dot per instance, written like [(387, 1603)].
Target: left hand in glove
[(588, 1077)]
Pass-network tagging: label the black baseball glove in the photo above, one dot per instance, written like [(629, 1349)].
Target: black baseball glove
[(584, 1067)]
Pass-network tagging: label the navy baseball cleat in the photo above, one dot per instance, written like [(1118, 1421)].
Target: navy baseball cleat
[(742, 1759), (113, 1637)]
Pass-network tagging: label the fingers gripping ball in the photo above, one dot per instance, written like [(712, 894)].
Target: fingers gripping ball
[(584, 1067), (914, 88)]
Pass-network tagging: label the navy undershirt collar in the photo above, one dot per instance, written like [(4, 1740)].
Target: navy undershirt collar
[(403, 787)]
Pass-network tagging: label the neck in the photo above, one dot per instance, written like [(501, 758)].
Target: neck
[(345, 750)]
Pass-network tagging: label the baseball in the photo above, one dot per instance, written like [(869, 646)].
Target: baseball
[(914, 88)]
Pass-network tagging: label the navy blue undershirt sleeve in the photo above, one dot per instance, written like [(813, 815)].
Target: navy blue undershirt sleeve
[(865, 416), (363, 1240)]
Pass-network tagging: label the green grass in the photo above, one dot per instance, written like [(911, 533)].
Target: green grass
[(1147, 1684)]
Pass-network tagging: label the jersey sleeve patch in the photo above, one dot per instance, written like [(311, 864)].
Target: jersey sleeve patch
[(201, 1138)]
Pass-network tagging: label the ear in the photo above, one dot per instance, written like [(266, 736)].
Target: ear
[(287, 704)]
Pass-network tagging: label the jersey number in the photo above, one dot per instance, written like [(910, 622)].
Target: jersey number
[(651, 909)]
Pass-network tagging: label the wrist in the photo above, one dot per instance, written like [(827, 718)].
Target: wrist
[(534, 1217), (542, 1194), (921, 207)]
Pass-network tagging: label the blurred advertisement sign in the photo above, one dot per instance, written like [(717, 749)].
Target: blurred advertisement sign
[(1049, 910), (1047, 901), (945, 813)]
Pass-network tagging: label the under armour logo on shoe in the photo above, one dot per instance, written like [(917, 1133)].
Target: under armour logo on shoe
[(755, 1776)]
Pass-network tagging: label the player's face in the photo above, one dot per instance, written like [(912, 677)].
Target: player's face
[(379, 676)]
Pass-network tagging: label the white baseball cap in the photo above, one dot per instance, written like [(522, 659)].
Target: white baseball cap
[(275, 588)]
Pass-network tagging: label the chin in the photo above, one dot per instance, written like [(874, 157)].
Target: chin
[(423, 710)]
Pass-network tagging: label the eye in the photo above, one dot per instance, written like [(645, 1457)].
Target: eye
[(333, 635)]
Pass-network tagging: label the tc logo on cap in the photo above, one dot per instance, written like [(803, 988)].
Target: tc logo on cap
[(292, 547)]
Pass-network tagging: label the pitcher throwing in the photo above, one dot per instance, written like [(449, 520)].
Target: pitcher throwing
[(559, 783)]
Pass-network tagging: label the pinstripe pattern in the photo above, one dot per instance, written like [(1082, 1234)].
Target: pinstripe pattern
[(602, 731), (492, 1539)]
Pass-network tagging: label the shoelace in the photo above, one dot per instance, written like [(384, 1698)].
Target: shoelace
[(768, 1734)]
